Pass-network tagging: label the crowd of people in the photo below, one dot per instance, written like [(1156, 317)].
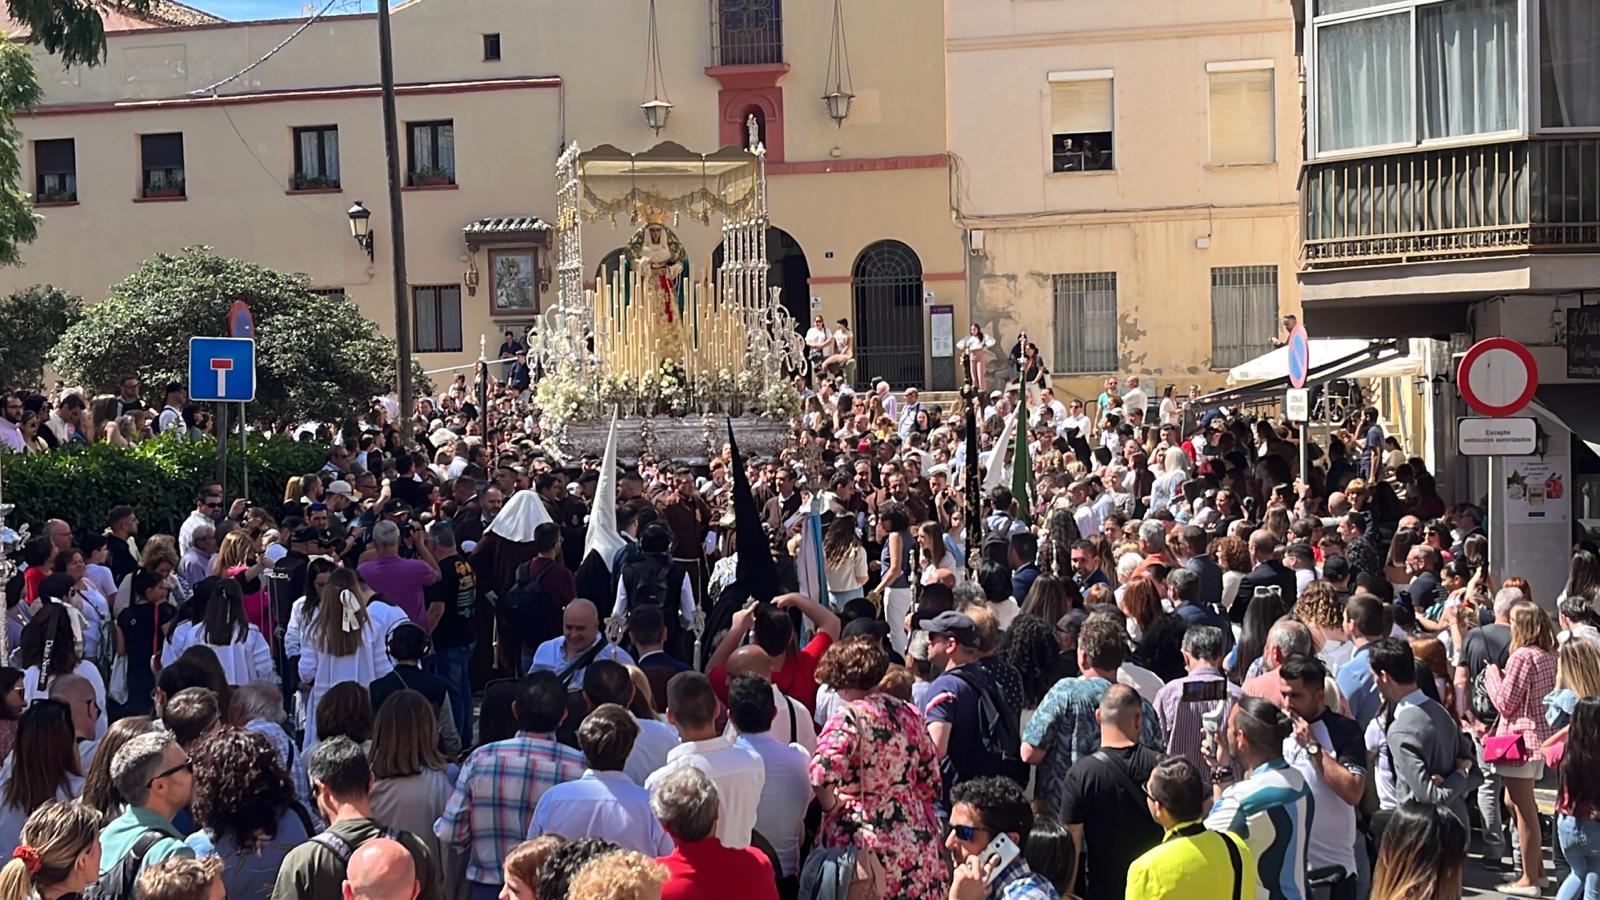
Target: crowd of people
[(1158, 663)]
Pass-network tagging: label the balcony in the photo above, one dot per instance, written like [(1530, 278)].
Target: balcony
[(1426, 205), (746, 32)]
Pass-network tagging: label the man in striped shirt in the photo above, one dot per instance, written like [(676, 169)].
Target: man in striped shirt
[(501, 783), (1263, 799)]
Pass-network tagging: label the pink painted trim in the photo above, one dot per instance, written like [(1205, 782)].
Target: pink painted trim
[(881, 164), (337, 93)]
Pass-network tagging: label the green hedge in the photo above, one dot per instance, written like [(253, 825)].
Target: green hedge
[(158, 478)]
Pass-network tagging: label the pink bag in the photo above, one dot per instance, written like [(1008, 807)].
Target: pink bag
[(1554, 752), (1506, 749)]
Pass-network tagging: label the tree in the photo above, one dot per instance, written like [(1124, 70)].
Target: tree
[(31, 321), (70, 29), (317, 357), (19, 89)]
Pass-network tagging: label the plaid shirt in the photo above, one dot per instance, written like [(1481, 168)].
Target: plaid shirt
[(1018, 882), (496, 794)]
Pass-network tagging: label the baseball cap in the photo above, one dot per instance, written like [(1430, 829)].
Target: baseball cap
[(1335, 568), (954, 624), (341, 486)]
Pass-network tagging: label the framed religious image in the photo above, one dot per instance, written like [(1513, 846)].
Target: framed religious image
[(514, 282)]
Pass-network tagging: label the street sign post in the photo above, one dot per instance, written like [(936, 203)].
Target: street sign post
[(1497, 437), (1497, 377), (1300, 367)]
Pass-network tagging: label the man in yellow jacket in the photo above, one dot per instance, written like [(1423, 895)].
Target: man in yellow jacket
[(1190, 861)]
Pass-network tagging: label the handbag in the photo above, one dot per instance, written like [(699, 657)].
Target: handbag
[(118, 689), (1506, 749)]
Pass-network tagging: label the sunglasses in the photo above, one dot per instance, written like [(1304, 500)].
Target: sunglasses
[(187, 764), (965, 832)]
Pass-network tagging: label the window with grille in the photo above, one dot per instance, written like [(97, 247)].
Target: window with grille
[(1244, 313), (316, 158), (55, 165), (748, 32), (436, 318), (1086, 322), (1241, 115), (1081, 117), (433, 153), (329, 292), (161, 156)]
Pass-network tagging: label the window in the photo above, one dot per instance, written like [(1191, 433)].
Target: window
[(748, 32), (316, 158), (162, 161), (1467, 50), (55, 166), (329, 292), (1080, 121), (433, 153), (491, 46), (1244, 313), (436, 318), (1569, 63), (1408, 71), (1086, 322), (1241, 114)]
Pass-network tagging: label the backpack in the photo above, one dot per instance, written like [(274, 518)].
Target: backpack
[(653, 592), (118, 883), (343, 849), (526, 609), (999, 538), (999, 733)]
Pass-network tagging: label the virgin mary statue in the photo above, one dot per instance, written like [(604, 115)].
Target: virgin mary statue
[(662, 267)]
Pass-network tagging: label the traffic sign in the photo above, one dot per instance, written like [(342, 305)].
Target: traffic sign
[(1497, 437), (241, 323), (1297, 404), (1497, 377), (222, 370), (1299, 356)]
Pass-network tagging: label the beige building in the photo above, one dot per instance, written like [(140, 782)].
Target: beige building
[(157, 149), (1126, 173)]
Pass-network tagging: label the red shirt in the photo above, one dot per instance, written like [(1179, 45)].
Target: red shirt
[(706, 870), (797, 678)]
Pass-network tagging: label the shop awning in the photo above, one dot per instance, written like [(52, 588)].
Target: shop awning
[(1391, 357), (1325, 352), (1574, 405)]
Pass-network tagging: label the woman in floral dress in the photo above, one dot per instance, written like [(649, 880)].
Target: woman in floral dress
[(877, 774)]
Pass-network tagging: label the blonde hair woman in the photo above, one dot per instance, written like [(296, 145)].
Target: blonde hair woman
[(621, 875), (1577, 678), (341, 644), (59, 855), (1519, 694), (160, 555)]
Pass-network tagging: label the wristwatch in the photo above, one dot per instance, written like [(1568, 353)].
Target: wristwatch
[(1222, 775), (1313, 748)]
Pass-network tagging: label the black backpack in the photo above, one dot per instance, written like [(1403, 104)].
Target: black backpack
[(343, 849), (525, 608), (998, 730), (118, 882)]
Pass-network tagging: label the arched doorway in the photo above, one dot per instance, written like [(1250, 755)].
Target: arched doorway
[(787, 270), (886, 284), (610, 265)]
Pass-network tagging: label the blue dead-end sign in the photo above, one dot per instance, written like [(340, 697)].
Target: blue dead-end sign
[(222, 370)]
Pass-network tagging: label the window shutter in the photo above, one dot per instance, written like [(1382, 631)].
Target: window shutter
[(162, 151), (54, 156), (1241, 117), (1080, 107)]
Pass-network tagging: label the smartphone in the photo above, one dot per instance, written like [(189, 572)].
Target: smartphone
[(1204, 691), (1002, 850)]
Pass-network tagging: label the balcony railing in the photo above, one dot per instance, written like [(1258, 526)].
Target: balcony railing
[(746, 32), (1512, 197)]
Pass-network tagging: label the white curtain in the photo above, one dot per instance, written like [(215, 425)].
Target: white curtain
[(1570, 40), (1364, 94), (1470, 78)]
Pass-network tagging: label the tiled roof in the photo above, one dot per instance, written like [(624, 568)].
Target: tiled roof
[(171, 12)]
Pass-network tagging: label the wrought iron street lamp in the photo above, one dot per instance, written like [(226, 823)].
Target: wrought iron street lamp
[(361, 226)]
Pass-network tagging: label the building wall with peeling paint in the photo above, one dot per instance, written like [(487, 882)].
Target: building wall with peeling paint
[(1164, 217)]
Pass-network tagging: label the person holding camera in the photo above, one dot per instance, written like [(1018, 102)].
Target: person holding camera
[(401, 581)]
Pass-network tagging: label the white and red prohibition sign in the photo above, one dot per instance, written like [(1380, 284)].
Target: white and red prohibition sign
[(1497, 376)]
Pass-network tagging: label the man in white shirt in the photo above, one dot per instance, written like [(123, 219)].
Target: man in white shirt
[(1047, 400), (781, 814), (817, 341), (171, 418), (207, 507), (1134, 397), (739, 773), (1075, 418)]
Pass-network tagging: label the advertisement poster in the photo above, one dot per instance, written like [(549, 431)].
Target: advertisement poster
[(1535, 492)]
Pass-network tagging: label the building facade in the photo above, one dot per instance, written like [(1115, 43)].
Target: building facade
[(160, 147), (1452, 190), (1126, 175)]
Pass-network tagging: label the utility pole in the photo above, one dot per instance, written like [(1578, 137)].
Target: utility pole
[(397, 223)]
